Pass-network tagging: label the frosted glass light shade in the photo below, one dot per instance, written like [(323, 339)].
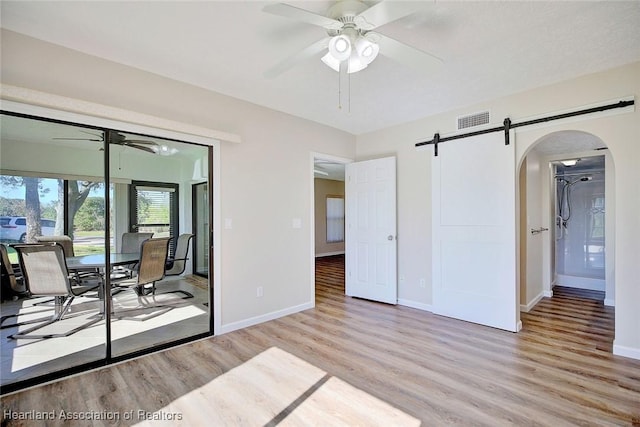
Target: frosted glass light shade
[(331, 62), (340, 47), (367, 51)]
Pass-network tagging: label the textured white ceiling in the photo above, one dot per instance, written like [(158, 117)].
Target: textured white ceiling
[(558, 143), (489, 49)]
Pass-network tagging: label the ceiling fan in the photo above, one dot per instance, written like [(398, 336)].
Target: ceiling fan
[(351, 45), (117, 138)]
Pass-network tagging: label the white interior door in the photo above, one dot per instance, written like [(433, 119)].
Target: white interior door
[(474, 231), (371, 263)]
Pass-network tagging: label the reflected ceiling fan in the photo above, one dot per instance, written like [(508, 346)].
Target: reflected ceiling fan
[(351, 45), (117, 138)]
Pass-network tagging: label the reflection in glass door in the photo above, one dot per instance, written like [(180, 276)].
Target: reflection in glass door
[(154, 303), (72, 183), (42, 198), (201, 229)]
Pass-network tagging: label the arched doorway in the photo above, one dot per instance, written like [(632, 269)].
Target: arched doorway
[(556, 249)]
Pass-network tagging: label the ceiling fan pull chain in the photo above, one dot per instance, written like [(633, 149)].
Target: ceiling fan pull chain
[(339, 91), (349, 93)]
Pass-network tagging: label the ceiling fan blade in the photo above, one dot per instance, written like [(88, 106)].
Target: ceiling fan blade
[(140, 141), (405, 54), (143, 148), (306, 53), (78, 139), (303, 15), (386, 11)]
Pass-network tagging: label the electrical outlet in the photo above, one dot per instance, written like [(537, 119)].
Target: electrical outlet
[(259, 292), (401, 279), (423, 283)]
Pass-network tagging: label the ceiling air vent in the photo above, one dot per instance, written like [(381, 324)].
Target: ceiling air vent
[(472, 120)]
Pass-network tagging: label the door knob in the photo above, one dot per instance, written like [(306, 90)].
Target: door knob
[(390, 237)]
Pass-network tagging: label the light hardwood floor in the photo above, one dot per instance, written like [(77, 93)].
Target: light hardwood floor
[(131, 330), (557, 371)]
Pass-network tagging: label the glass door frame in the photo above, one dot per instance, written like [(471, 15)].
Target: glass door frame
[(195, 228), (32, 112)]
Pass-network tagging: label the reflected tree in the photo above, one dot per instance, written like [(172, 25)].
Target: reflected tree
[(33, 190), (32, 208), (77, 195)]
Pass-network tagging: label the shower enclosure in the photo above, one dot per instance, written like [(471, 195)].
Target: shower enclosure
[(580, 225)]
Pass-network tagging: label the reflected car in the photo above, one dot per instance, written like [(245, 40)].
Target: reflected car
[(14, 228)]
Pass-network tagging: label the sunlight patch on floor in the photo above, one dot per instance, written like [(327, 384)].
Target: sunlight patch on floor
[(277, 388)]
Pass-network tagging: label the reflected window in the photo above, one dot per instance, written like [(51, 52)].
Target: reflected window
[(335, 219), (154, 209)]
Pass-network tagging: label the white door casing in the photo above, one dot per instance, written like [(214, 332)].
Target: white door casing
[(371, 247), (474, 231)]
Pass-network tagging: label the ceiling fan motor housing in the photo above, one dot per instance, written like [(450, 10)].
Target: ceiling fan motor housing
[(346, 8)]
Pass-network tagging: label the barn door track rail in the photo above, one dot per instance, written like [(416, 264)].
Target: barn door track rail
[(507, 125)]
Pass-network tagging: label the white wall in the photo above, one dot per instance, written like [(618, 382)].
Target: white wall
[(533, 244), (266, 180), (621, 133)]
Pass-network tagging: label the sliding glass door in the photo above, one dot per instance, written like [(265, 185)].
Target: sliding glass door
[(148, 312), (52, 186), (90, 186)]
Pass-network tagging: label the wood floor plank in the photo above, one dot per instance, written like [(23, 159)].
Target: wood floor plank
[(559, 370)]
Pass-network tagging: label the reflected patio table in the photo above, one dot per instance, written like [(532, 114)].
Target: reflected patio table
[(100, 260)]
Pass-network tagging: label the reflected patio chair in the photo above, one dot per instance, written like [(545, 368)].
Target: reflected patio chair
[(130, 244), (64, 241), (13, 286), (150, 270), (177, 263), (45, 274), (12, 281), (85, 274)]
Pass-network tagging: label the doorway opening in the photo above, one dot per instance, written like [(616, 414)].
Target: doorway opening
[(328, 199), (567, 219)]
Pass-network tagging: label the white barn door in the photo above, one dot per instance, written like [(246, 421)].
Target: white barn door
[(474, 231), (371, 265)]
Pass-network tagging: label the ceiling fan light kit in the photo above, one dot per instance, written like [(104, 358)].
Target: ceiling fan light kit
[(351, 45)]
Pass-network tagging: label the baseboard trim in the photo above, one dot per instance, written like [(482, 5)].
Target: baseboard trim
[(581, 282), (527, 307), (241, 324), (547, 294), (330, 254), (415, 304), (620, 350), (610, 302)]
